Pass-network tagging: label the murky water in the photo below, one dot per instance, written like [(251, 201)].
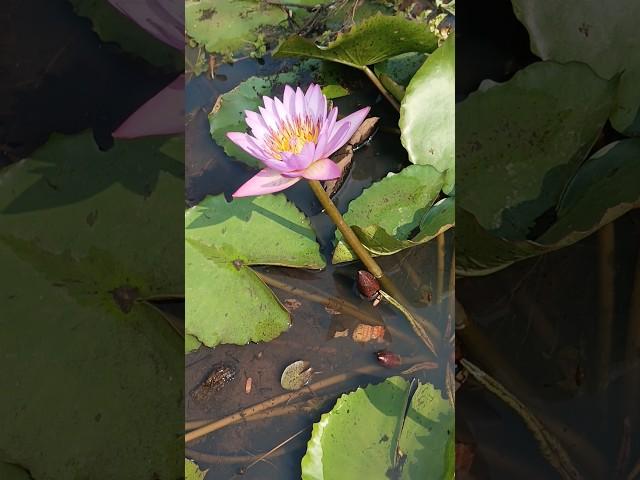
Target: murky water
[(210, 171)]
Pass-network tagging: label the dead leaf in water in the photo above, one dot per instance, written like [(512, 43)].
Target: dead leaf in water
[(296, 375), (344, 156)]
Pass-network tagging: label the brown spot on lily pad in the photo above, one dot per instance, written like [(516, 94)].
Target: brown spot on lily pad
[(125, 296)]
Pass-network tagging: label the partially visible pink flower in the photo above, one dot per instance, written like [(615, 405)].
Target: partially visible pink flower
[(294, 138), (163, 114)]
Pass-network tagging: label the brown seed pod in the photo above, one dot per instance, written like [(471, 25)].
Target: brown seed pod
[(388, 359), (368, 333), (368, 285)]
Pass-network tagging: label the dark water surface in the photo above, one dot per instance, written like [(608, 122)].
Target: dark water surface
[(210, 171)]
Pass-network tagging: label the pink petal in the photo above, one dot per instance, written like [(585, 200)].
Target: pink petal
[(323, 169), (289, 100), (340, 136), (283, 114), (163, 114), (256, 123), (274, 164), (299, 107), (316, 101), (303, 159), (269, 113), (265, 181), (247, 143), (164, 19)]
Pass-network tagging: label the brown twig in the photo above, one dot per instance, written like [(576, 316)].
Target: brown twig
[(379, 86)]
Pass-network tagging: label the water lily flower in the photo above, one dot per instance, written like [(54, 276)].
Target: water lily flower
[(294, 138)]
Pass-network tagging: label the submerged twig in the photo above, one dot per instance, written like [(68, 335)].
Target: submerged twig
[(606, 303), (549, 446), (277, 447), (328, 301)]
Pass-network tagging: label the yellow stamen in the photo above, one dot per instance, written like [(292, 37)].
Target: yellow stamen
[(292, 137)]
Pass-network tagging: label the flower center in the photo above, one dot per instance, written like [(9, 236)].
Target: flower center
[(292, 137)]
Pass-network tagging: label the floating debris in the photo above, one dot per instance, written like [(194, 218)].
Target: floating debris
[(247, 385), (368, 333), (388, 359), (341, 333), (291, 304), (331, 311), (296, 375), (368, 286), (220, 376)]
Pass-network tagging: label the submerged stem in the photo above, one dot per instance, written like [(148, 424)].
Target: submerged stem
[(384, 91)]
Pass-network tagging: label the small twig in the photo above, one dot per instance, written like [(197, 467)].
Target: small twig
[(378, 84), (418, 367), (549, 446), (415, 324), (280, 445), (440, 264)]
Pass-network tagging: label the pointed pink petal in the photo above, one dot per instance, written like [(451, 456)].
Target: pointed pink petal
[(247, 143), (257, 124), (275, 164), (340, 135), (303, 159), (323, 169), (315, 101), (265, 181), (269, 113), (163, 114), (283, 114), (299, 107), (164, 19), (289, 99)]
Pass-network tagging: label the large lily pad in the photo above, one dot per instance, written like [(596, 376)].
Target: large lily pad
[(229, 26), (427, 113), (226, 301), (374, 40), (112, 26), (371, 433), (80, 234), (518, 143), (192, 471), (604, 37), (396, 205), (228, 112)]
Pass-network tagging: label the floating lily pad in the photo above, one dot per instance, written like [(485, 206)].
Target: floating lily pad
[(228, 112), (438, 219), (232, 25), (84, 229), (13, 472), (427, 113), (226, 301), (396, 205), (519, 143), (396, 72), (371, 433), (604, 37), (192, 471), (113, 26), (374, 40), (296, 375)]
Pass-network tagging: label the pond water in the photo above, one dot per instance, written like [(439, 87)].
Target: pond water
[(209, 172)]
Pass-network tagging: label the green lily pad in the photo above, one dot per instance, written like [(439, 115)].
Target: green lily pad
[(192, 471), (191, 343), (396, 72), (427, 113), (374, 40), (371, 433), (112, 26), (334, 91), (605, 188), (396, 205), (230, 26), (84, 229), (13, 472), (437, 220), (226, 301), (228, 112), (606, 38), (519, 143)]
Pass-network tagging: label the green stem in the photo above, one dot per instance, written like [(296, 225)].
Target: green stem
[(378, 84), (348, 234)]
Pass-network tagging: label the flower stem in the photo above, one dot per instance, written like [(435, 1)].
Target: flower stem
[(348, 234), (378, 84)]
